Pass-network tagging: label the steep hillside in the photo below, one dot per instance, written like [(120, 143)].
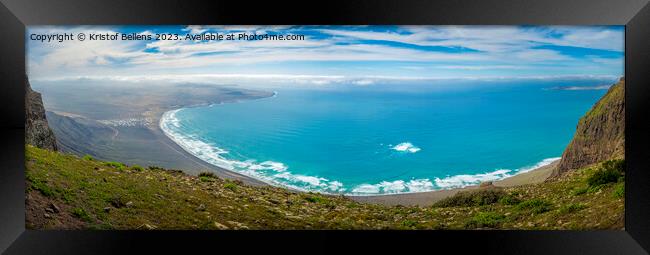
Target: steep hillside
[(600, 134), (79, 135), (65, 191), (37, 130)]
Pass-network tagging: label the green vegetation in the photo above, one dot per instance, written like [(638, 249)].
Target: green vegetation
[(207, 176), (81, 214), (615, 93), (409, 224), (619, 190), (472, 198), (137, 168), (231, 186), (604, 176), (88, 157), (485, 220), (535, 206), (42, 187), (509, 199), (313, 198), (571, 208), (91, 194), (116, 165), (614, 165)]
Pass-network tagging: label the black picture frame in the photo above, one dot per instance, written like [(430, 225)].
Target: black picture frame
[(634, 14)]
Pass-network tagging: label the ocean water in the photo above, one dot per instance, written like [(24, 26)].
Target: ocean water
[(369, 140)]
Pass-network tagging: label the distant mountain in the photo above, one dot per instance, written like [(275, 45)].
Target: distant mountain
[(37, 130), (600, 134)]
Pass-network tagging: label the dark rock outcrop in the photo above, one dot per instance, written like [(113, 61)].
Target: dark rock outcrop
[(37, 131), (600, 134)]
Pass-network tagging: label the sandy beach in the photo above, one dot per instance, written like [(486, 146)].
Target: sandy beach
[(221, 172)]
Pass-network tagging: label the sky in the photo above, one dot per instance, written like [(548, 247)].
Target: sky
[(360, 55)]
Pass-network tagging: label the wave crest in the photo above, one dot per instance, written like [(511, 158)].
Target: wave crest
[(406, 147), (449, 182)]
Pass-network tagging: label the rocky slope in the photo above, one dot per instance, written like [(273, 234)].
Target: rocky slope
[(600, 134), (37, 130)]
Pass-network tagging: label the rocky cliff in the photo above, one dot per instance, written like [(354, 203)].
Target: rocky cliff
[(600, 134), (37, 131)]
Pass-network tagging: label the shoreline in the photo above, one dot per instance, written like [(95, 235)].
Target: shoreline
[(424, 198), (221, 172), (428, 198)]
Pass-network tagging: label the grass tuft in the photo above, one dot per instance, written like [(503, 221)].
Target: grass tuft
[(472, 198), (609, 172), (116, 165), (619, 190), (535, 206), (571, 208), (155, 168), (81, 214), (509, 199), (485, 220), (231, 186)]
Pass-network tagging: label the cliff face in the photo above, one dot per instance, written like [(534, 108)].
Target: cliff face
[(600, 134), (37, 131)]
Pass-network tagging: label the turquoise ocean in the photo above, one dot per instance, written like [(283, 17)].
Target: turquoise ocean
[(390, 138)]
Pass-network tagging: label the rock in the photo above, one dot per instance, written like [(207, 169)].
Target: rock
[(485, 184), (237, 225), (37, 130), (147, 227), (220, 226), (107, 209), (129, 204), (47, 215), (293, 217), (201, 207), (55, 208), (49, 210)]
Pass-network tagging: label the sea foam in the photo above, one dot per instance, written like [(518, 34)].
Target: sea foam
[(449, 182), (271, 172), (406, 147)]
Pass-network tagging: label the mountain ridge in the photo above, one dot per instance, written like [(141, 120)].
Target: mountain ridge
[(599, 133)]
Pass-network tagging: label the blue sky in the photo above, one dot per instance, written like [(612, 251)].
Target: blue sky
[(356, 54)]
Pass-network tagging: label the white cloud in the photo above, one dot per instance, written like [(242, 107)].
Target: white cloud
[(489, 51)]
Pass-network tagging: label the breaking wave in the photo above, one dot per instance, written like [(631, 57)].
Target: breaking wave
[(449, 182), (271, 172), (405, 147)]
